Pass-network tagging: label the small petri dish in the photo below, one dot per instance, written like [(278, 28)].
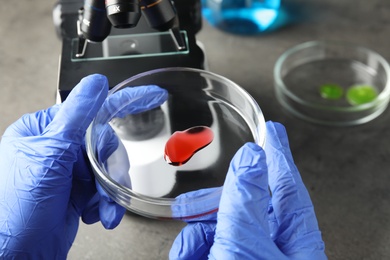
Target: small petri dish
[(332, 83), (134, 172)]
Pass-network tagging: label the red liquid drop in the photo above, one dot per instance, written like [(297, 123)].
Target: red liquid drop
[(182, 145)]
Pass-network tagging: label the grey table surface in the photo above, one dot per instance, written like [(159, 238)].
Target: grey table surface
[(346, 170)]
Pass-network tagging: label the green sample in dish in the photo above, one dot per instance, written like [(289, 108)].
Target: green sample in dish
[(331, 91), (361, 94)]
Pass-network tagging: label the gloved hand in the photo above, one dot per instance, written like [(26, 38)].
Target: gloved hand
[(250, 223), (46, 182)]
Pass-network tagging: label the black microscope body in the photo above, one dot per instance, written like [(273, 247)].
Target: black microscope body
[(121, 38)]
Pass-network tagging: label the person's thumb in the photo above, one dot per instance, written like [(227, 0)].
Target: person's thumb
[(78, 110), (242, 223)]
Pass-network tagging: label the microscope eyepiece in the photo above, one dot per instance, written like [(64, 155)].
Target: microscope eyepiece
[(160, 14), (123, 13), (94, 24), (97, 16)]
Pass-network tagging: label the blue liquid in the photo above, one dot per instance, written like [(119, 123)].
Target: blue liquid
[(241, 16)]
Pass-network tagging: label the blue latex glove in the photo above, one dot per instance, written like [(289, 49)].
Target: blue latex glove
[(251, 224), (46, 182)]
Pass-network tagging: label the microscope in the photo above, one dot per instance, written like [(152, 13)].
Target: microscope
[(121, 38)]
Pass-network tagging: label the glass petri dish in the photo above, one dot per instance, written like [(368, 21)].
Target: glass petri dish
[(135, 174), (332, 83)]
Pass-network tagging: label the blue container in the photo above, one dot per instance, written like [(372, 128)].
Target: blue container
[(242, 16)]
